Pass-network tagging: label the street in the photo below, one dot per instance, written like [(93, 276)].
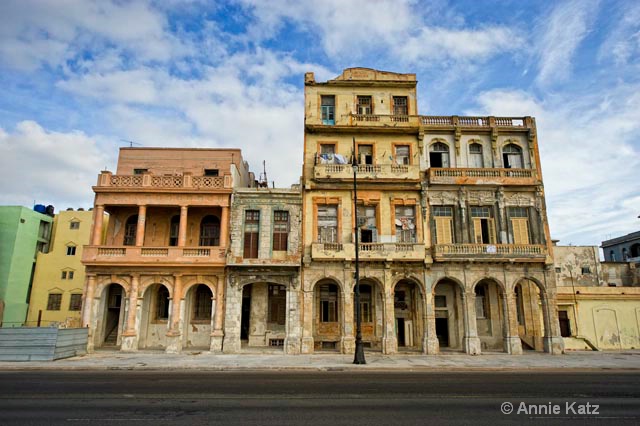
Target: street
[(315, 398)]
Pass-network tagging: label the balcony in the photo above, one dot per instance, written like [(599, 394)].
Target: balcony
[(110, 182), (132, 256), (475, 122), (379, 172), (462, 176), (490, 252), (378, 120), (369, 251)]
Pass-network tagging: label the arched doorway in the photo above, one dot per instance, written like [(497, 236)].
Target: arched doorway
[(530, 314), (449, 314), (130, 231), (263, 321), (372, 314), (154, 321), (197, 318), (408, 308), (113, 320), (327, 329), (490, 315)]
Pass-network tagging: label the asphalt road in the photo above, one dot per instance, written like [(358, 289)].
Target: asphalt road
[(318, 398)]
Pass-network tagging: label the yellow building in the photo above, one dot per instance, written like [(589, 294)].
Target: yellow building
[(56, 293)]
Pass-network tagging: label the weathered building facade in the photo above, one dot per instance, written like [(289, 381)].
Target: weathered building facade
[(454, 243), (156, 277)]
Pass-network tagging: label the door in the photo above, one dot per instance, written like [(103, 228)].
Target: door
[(442, 332)]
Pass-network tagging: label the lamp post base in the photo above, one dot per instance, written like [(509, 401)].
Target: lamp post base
[(359, 355)]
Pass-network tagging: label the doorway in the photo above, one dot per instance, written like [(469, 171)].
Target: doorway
[(442, 332), (246, 313)]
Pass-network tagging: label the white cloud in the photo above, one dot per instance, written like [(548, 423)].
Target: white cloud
[(49, 167), (623, 42)]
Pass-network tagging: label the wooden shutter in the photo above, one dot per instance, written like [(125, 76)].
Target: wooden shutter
[(443, 230), (520, 228), (492, 231), (477, 230)]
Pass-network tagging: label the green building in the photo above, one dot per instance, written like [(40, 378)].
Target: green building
[(23, 233)]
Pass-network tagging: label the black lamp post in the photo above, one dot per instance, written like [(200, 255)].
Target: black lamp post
[(359, 355)]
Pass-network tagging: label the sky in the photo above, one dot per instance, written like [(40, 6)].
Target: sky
[(79, 78)]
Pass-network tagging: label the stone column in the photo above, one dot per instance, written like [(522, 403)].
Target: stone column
[(87, 308), (389, 339), (292, 338), (258, 315), (142, 220), (512, 339), (224, 227), (472, 344), (174, 335), (553, 342), (130, 335), (348, 343), (307, 322), (182, 228), (96, 238), (217, 334), (432, 346)]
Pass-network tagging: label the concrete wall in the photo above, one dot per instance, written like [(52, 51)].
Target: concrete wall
[(42, 344), (577, 265)]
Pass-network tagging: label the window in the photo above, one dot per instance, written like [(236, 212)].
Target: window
[(586, 270), (211, 172), (482, 301), (327, 109), (519, 219), (277, 304), (162, 303), (210, 231), (365, 154), (440, 301), (405, 224), (512, 157), (71, 250), (365, 106), (519, 305), (130, 230), (625, 254), (558, 269), (367, 224), (635, 250), (251, 232), (443, 218), (54, 301), (365, 303), (439, 155), (70, 275), (64, 275), (565, 325), (140, 171), (43, 230), (400, 106), (280, 230), (75, 303), (475, 156), (327, 224), (402, 155), (327, 153), (328, 303), (202, 303), (612, 255), (74, 225), (484, 230), (174, 230)]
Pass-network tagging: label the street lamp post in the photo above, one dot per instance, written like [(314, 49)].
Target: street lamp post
[(359, 355)]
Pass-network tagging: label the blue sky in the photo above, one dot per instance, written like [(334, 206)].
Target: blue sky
[(78, 76)]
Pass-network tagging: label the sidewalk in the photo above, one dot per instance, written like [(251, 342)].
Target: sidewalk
[(205, 361)]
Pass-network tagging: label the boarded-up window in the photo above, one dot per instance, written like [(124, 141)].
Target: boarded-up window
[(475, 156), (405, 224), (277, 304), (402, 155), (75, 303), (519, 225), (327, 224), (280, 230), (251, 233), (443, 218), (328, 303), (484, 230), (54, 301)]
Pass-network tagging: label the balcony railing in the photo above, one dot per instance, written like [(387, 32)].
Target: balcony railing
[(149, 181), (454, 120), (367, 171), (482, 176), (369, 251), (131, 255), (523, 252), (383, 120)]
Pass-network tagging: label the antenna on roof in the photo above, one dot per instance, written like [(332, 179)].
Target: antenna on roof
[(131, 143), (263, 182)]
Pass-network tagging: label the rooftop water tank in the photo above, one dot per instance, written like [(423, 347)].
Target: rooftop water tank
[(40, 208)]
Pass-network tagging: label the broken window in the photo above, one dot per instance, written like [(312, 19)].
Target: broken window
[(327, 108), (519, 218), (327, 224), (162, 303), (328, 303), (439, 155), (365, 154), (54, 301), (443, 218), (400, 105), (130, 230), (280, 230), (475, 156), (75, 303), (365, 105), (251, 233), (484, 230), (402, 155), (512, 157), (405, 224), (210, 231), (367, 224), (277, 304), (202, 303)]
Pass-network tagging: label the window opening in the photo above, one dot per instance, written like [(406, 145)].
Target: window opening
[(280, 230), (251, 233), (400, 105), (328, 303), (130, 230), (367, 224), (277, 304), (174, 230), (443, 218), (74, 225), (484, 230), (54, 301), (162, 303), (210, 231), (439, 155), (71, 250), (512, 157), (211, 172), (202, 303), (405, 224), (140, 171), (365, 154), (327, 223), (365, 106), (519, 218), (475, 156), (327, 107), (402, 155), (75, 303)]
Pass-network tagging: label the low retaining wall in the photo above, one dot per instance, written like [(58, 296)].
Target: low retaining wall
[(42, 343)]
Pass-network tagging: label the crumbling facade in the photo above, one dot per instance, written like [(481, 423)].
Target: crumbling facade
[(156, 277)]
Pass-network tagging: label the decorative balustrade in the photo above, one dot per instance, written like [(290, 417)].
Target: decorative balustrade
[(503, 251), (112, 251), (479, 176), (209, 182), (147, 180), (142, 255), (196, 252), (364, 171), (371, 247), (387, 120), (154, 252), (369, 251), (436, 120)]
